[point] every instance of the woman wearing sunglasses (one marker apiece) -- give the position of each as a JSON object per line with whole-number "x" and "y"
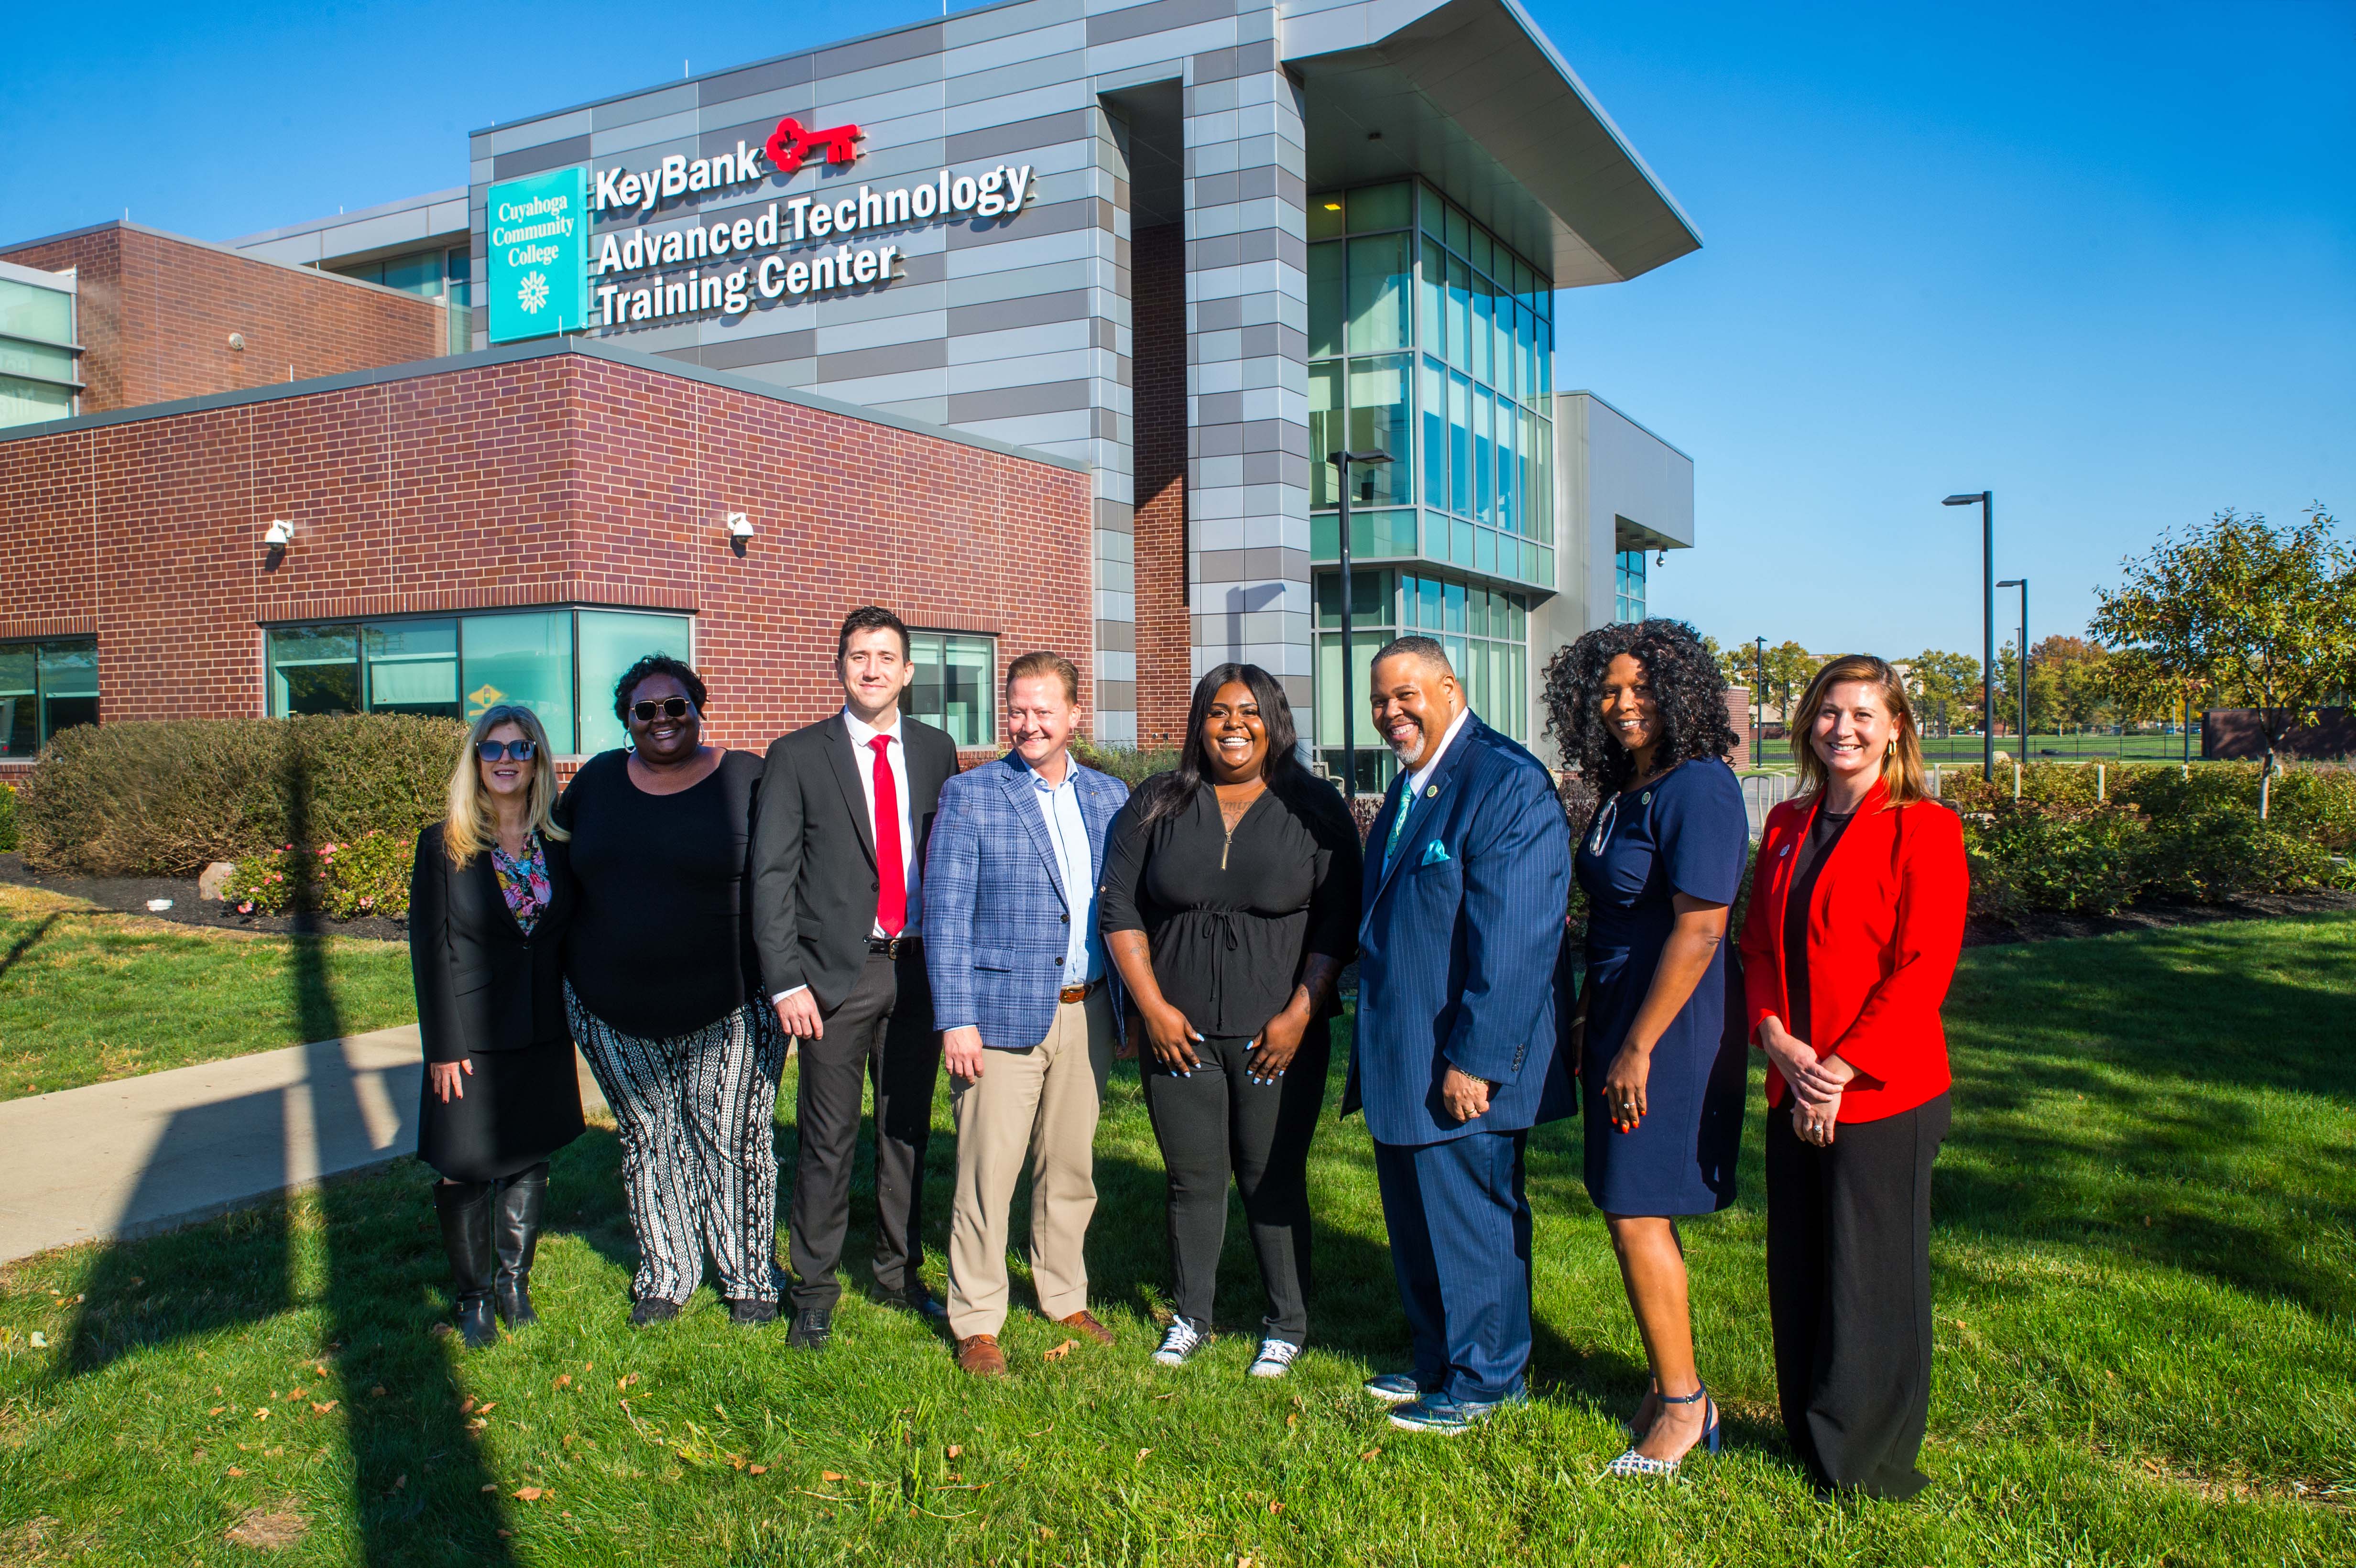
{"x": 659, "y": 980}
{"x": 489, "y": 901}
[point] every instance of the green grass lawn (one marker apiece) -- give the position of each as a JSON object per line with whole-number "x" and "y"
{"x": 1966, "y": 749}
{"x": 2146, "y": 1287}
{"x": 87, "y": 994}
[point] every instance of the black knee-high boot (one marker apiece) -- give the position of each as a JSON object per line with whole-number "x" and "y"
{"x": 465, "y": 1209}
{"x": 515, "y": 1226}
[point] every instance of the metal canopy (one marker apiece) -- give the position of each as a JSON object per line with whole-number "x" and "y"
{"x": 1472, "y": 97}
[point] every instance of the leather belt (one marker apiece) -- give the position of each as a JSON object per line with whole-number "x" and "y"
{"x": 892, "y": 946}
{"x": 1079, "y": 993}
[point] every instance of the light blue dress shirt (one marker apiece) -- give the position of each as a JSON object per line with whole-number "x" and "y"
{"x": 1068, "y": 830}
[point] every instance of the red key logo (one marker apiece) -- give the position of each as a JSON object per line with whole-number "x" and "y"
{"x": 789, "y": 144}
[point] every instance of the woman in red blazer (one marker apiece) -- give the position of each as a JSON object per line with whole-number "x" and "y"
{"x": 1856, "y": 918}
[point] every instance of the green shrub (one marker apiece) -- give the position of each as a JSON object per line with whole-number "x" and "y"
{"x": 2224, "y": 852}
{"x": 7, "y": 817}
{"x": 1132, "y": 765}
{"x": 367, "y": 875}
{"x": 165, "y": 798}
{"x": 2035, "y": 856}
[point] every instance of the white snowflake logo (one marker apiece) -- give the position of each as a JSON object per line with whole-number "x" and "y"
{"x": 534, "y": 293}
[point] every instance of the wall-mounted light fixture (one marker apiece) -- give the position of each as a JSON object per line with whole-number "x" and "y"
{"x": 278, "y": 534}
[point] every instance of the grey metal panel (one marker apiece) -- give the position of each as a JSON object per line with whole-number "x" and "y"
{"x": 1158, "y": 16}
{"x": 653, "y": 130}
{"x": 1016, "y": 402}
{"x": 847, "y": 87}
{"x": 1031, "y": 44}
{"x": 906, "y": 44}
{"x": 1029, "y": 310}
{"x": 932, "y": 411}
{"x": 1021, "y": 282}
{"x": 890, "y": 360}
{"x": 995, "y": 141}
{"x": 643, "y": 106}
{"x": 1032, "y": 222}
{"x": 735, "y": 352}
{"x": 547, "y": 155}
{"x": 532, "y": 133}
{"x": 792, "y": 72}
{"x": 999, "y": 21}
{"x": 997, "y": 82}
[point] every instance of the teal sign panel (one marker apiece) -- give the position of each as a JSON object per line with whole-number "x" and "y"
{"x": 538, "y": 276}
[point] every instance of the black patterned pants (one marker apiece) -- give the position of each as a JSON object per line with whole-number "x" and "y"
{"x": 698, "y": 1167}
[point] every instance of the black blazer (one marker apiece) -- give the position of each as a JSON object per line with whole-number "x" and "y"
{"x": 814, "y": 881}
{"x": 482, "y": 983}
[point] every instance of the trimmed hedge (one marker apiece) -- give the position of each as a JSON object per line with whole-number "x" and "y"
{"x": 364, "y": 876}
{"x": 165, "y": 798}
{"x": 7, "y": 817}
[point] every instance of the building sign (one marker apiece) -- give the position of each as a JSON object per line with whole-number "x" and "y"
{"x": 538, "y": 255}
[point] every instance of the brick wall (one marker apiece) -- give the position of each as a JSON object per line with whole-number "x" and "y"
{"x": 555, "y": 479}
{"x": 156, "y": 312}
{"x": 1164, "y": 627}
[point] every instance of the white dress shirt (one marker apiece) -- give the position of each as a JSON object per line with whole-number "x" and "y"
{"x": 1415, "y": 779}
{"x": 863, "y": 762}
{"x": 1068, "y": 830}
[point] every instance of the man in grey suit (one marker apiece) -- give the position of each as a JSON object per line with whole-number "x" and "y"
{"x": 839, "y": 841}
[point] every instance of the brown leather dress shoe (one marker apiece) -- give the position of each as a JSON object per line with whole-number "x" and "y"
{"x": 980, "y": 1354}
{"x": 1084, "y": 1322}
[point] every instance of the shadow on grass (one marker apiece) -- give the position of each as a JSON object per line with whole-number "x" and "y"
{"x": 27, "y": 942}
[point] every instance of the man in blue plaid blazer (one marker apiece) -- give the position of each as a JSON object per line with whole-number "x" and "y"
{"x": 1468, "y": 872}
{"x": 1021, "y": 995}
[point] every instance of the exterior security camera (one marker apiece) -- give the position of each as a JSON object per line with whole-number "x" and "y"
{"x": 237, "y": 341}
{"x": 739, "y": 527}
{"x": 277, "y": 534}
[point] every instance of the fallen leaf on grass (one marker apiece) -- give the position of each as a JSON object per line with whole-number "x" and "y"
{"x": 1275, "y": 1507}
{"x": 564, "y": 1380}
{"x": 217, "y": 1409}
{"x": 267, "y": 1530}
{"x": 1371, "y": 1453}
{"x": 323, "y": 1409}
{"x": 529, "y": 1494}
{"x": 757, "y": 1469}
{"x": 39, "y": 1340}
{"x": 233, "y": 1470}
{"x": 1142, "y": 1453}
{"x": 492, "y": 1486}
{"x": 954, "y": 1450}
{"x": 400, "y": 1481}
{"x": 830, "y": 1474}
{"x": 486, "y": 1409}
{"x": 376, "y": 1393}
{"x": 262, "y": 1416}
{"x": 1060, "y": 1351}
{"x": 466, "y": 1404}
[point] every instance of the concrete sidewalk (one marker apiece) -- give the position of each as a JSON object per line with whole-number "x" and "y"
{"x": 148, "y": 1153}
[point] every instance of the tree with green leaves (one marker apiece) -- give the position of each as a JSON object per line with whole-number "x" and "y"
{"x": 1944, "y": 689}
{"x": 2235, "y": 612}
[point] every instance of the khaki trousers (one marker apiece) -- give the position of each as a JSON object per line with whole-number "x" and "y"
{"x": 1043, "y": 1102}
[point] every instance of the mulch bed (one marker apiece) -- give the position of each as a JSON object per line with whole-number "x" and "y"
{"x": 1979, "y": 932}
{"x": 130, "y": 895}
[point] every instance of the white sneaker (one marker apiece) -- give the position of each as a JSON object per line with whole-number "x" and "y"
{"x": 1179, "y": 1343}
{"x": 1275, "y": 1358}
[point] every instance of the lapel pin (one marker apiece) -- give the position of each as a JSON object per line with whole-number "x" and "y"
{"x": 1432, "y": 792}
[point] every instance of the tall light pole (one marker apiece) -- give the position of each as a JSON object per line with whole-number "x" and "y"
{"x": 2022, "y": 583}
{"x": 1759, "y": 701}
{"x": 1986, "y": 500}
{"x": 1342, "y": 462}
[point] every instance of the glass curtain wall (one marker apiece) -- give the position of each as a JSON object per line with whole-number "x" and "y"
{"x": 956, "y": 685}
{"x": 438, "y": 274}
{"x": 560, "y": 663}
{"x": 45, "y": 688}
{"x": 1432, "y": 340}
{"x": 1628, "y": 586}
{"x": 39, "y": 379}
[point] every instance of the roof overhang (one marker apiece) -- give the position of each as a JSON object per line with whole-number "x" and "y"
{"x": 1471, "y": 95}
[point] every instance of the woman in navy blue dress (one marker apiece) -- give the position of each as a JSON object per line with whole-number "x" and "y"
{"x": 1640, "y": 707}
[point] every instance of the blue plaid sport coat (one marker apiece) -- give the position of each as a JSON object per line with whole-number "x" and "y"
{"x": 996, "y": 926}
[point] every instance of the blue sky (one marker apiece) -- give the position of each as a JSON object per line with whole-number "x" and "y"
{"x": 2099, "y": 259}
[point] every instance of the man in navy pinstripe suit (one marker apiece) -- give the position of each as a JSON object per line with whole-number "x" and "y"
{"x": 1467, "y": 870}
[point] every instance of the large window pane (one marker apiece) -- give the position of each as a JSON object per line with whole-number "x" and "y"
{"x": 955, "y": 686}
{"x": 1327, "y": 303}
{"x": 36, "y": 361}
{"x": 412, "y": 668}
{"x": 1431, "y": 300}
{"x": 1379, "y": 293}
{"x": 526, "y": 661}
{"x": 31, "y": 403}
{"x": 1501, "y": 341}
{"x": 1460, "y": 445}
{"x": 1432, "y": 400}
{"x": 611, "y": 642}
{"x": 420, "y": 273}
{"x": 1459, "y": 314}
{"x": 1484, "y": 329}
{"x": 28, "y": 310}
{"x": 69, "y": 679}
{"x": 19, "y": 722}
{"x": 1378, "y": 418}
{"x": 1460, "y": 231}
{"x": 314, "y": 669}
{"x": 1485, "y": 455}
{"x": 1325, "y": 216}
{"x": 1388, "y": 534}
{"x": 1434, "y": 215}
{"x": 1378, "y": 207}
{"x": 1546, "y": 361}
{"x": 1324, "y": 433}
{"x": 1509, "y": 502}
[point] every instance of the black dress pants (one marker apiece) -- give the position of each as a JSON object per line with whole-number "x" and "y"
{"x": 1216, "y": 1121}
{"x": 881, "y": 1032}
{"x": 1849, "y": 1289}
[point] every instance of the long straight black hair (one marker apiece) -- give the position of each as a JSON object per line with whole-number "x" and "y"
{"x": 1168, "y": 794}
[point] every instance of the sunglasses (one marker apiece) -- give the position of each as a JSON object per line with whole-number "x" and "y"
{"x": 495, "y": 751}
{"x": 670, "y": 708}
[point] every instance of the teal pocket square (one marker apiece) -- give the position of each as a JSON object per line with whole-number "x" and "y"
{"x": 1433, "y": 853}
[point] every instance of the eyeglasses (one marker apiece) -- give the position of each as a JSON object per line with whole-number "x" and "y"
{"x": 493, "y": 750}
{"x": 670, "y": 708}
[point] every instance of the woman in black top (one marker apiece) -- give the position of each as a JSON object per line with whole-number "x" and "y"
{"x": 658, "y": 983}
{"x": 490, "y": 896}
{"x": 1230, "y": 901}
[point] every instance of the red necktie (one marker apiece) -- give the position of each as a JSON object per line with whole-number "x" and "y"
{"x": 891, "y": 879}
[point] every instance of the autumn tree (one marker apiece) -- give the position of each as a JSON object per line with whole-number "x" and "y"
{"x": 1944, "y": 688}
{"x": 2239, "y": 612}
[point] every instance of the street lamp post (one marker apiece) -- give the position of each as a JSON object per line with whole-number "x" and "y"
{"x": 1759, "y": 702}
{"x": 1986, "y": 500}
{"x": 2022, "y": 583}
{"x": 1342, "y": 462}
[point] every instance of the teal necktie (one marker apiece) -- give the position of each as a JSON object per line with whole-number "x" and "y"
{"x": 1399, "y": 825}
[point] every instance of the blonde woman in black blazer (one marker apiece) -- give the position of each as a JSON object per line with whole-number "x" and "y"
{"x": 490, "y": 898}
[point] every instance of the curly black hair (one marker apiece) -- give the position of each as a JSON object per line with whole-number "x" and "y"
{"x": 1686, "y": 682}
{"x": 653, "y": 665}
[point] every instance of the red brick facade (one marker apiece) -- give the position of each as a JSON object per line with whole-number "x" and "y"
{"x": 564, "y": 478}
{"x": 155, "y": 314}
{"x": 1166, "y": 680}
